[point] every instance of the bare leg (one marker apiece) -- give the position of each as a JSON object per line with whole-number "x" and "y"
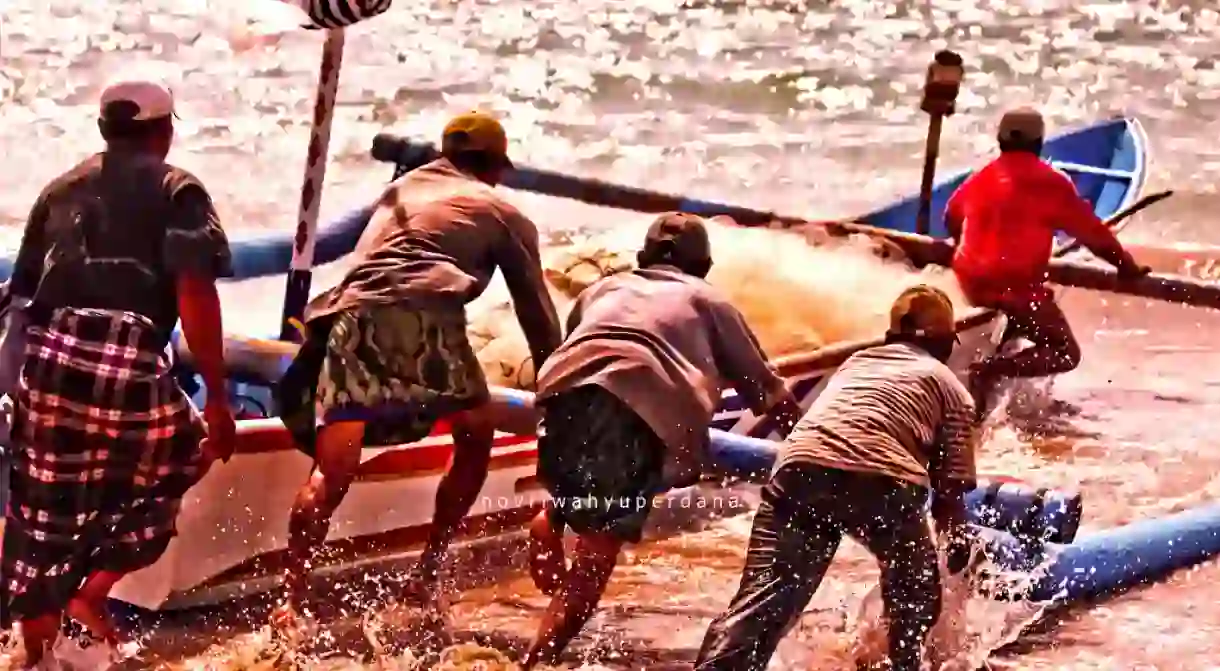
{"x": 338, "y": 458}
{"x": 38, "y": 635}
{"x": 548, "y": 567}
{"x": 88, "y": 607}
{"x": 473, "y": 434}
{"x": 596, "y": 557}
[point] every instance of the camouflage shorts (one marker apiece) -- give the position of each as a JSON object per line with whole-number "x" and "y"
{"x": 398, "y": 370}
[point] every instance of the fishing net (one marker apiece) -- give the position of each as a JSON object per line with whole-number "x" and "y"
{"x": 799, "y": 290}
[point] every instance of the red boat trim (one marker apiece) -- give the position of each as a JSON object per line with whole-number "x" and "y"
{"x": 269, "y": 435}
{"x": 422, "y": 462}
{"x": 370, "y": 547}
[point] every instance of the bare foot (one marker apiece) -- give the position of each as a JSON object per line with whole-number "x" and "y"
{"x": 289, "y": 625}
{"x": 548, "y": 566}
{"x": 96, "y": 620}
{"x": 399, "y": 627}
{"x": 423, "y": 588}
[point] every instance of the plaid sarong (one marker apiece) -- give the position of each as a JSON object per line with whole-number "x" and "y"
{"x": 601, "y": 463}
{"x": 399, "y": 370}
{"x": 105, "y": 446}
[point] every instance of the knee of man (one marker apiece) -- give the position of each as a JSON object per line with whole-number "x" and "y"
{"x": 475, "y": 429}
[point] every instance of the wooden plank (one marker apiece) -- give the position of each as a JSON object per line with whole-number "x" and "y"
{"x": 1068, "y": 166}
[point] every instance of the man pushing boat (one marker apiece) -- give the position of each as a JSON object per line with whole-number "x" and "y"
{"x": 386, "y": 354}
{"x": 105, "y": 442}
{"x": 893, "y": 421}
{"x": 626, "y": 402}
{"x": 1004, "y": 219}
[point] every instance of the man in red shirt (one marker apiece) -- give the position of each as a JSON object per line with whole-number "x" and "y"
{"x": 1004, "y": 219}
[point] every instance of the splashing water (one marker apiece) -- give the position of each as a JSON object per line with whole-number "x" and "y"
{"x": 816, "y": 294}
{"x": 971, "y": 626}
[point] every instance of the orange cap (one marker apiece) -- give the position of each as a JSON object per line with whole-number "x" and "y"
{"x": 923, "y": 310}
{"x": 475, "y": 131}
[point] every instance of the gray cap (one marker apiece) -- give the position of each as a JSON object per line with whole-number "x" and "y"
{"x": 1024, "y": 123}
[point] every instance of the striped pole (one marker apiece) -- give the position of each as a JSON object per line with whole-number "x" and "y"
{"x": 300, "y": 274}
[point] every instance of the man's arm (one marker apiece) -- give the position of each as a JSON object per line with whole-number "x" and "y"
{"x": 1080, "y": 221}
{"x": 955, "y": 213}
{"x": 952, "y": 472}
{"x": 28, "y": 268}
{"x": 197, "y": 253}
{"x": 521, "y": 262}
{"x": 742, "y": 361}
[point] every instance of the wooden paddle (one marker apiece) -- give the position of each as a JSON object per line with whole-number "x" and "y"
{"x": 939, "y": 95}
{"x": 922, "y": 250}
{"x": 1119, "y": 217}
{"x": 300, "y": 274}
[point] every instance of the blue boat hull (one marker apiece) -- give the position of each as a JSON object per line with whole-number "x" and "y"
{"x": 1106, "y": 161}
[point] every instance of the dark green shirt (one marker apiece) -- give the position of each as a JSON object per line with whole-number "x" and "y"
{"x": 113, "y": 232}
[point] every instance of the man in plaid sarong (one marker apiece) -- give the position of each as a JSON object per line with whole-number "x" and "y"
{"x": 104, "y": 442}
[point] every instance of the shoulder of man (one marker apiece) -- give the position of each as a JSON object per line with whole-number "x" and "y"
{"x": 951, "y": 385}
{"x": 700, "y": 291}
{"x": 70, "y": 177}
{"x": 177, "y": 179}
{"x": 1060, "y": 178}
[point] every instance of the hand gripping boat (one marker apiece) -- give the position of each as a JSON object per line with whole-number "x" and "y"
{"x": 233, "y": 526}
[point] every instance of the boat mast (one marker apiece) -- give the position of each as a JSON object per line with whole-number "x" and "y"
{"x": 300, "y": 273}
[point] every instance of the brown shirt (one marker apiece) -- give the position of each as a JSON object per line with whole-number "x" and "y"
{"x": 112, "y": 232}
{"x": 435, "y": 241}
{"x": 891, "y": 410}
{"x": 667, "y": 344}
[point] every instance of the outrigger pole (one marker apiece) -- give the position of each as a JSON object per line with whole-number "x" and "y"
{"x": 300, "y": 273}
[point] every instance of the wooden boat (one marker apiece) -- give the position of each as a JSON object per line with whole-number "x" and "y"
{"x": 233, "y": 525}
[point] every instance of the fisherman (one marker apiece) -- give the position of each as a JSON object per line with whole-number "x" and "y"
{"x": 106, "y": 443}
{"x": 1004, "y": 219}
{"x": 387, "y": 354}
{"x": 892, "y": 421}
{"x": 626, "y": 402}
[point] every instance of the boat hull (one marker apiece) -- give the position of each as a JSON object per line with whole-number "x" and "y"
{"x": 233, "y": 525}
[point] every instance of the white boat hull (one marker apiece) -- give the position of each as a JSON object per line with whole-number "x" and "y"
{"x": 233, "y": 528}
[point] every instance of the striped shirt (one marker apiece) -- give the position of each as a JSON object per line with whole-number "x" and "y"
{"x": 891, "y": 410}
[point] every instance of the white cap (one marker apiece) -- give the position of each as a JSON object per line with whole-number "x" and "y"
{"x": 151, "y": 99}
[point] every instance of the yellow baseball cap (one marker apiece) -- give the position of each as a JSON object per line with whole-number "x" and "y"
{"x": 476, "y": 131}
{"x": 923, "y": 310}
